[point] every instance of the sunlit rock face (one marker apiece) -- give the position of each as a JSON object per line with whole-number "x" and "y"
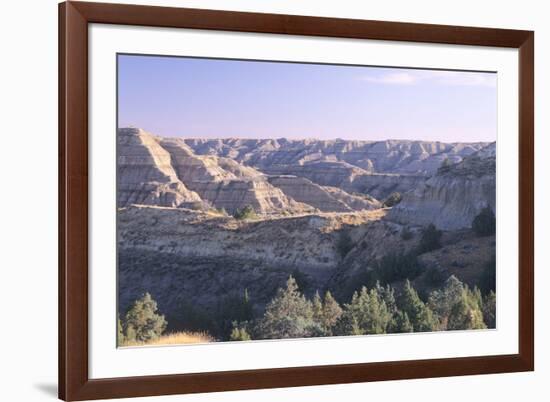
{"x": 453, "y": 197}
{"x": 145, "y": 174}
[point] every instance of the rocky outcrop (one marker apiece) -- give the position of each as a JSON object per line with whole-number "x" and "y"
{"x": 453, "y": 197}
{"x": 304, "y": 190}
{"x": 232, "y": 195}
{"x": 227, "y": 184}
{"x": 326, "y": 199}
{"x": 356, "y": 202}
{"x": 182, "y": 256}
{"x": 145, "y": 174}
{"x": 391, "y": 156}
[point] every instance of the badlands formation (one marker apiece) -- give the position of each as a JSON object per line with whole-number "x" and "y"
{"x": 179, "y": 198}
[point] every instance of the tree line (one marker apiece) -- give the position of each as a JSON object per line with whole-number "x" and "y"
{"x": 378, "y": 310}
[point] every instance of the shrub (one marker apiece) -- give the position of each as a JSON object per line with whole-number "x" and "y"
{"x": 142, "y": 322}
{"x": 239, "y": 333}
{"x": 484, "y": 224}
{"x": 245, "y": 213}
{"x": 430, "y": 239}
{"x": 396, "y": 267}
{"x": 393, "y": 199}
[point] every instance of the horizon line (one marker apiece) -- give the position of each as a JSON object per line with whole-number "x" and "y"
{"x": 304, "y": 138}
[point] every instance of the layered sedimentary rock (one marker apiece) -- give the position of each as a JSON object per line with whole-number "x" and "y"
{"x": 326, "y": 199}
{"x": 391, "y": 156}
{"x": 227, "y": 184}
{"x": 454, "y": 196}
{"x": 145, "y": 172}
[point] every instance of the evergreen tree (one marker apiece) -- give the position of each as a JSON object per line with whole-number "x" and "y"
{"x": 401, "y": 323}
{"x": 317, "y": 307}
{"x": 420, "y": 315}
{"x": 441, "y": 302}
{"x": 331, "y": 312}
{"x": 288, "y": 315}
{"x": 467, "y": 313}
{"x": 388, "y": 295}
{"x": 142, "y": 321}
{"x": 489, "y": 310}
{"x": 367, "y": 313}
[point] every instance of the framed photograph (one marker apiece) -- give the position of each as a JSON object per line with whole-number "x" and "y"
{"x": 259, "y": 200}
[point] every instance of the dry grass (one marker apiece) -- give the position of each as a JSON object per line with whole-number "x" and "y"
{"x": 175, "y": 338}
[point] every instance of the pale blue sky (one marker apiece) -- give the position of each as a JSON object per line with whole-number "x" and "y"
{"x": 174, "y": 96}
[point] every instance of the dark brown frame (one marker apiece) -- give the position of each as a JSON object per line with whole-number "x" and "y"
{"x": 74, "y": 17}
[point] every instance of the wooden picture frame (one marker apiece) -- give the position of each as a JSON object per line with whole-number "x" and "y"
{"x": 74, "y": 381}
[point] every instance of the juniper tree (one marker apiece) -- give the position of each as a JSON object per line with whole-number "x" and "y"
{"x": 331, "y": 311}
{"x": 401, "y": 323}
{"x": 466, "y": 314}
{"x": 367, "y": 313}
{"x": 419, "y": 314}
{"x": 288, "y": 315}
{"x": 142, "y": 322}
{"x": 442, "y": 301}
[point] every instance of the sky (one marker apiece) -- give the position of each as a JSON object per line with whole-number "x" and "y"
{"x": 217, "y": 98}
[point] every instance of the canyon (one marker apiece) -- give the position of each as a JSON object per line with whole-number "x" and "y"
{"x": 318, "y": 210}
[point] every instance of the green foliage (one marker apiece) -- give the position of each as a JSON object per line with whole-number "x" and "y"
{"x": 245, "y": 213}
{"x": 489, "y": 310}
{"x": 430, "y": 239}
{"x": 457, "y": 307}
{"x": 329, "y": 314}
{"x": 400, "y": 323}
{"x": 484, "y": 224}
{"x": 393, "y": 199}
{"x": 396, "y": 267}
{"x": 388, "y": 295}
{"x": 367, "y": 313}
{"x": 288, "y": 315}
{"x": 344, "y": 243}
{"x": 466, "y": 314}
{"x": 142, "y": 323}
{"x": 120, "y": 333}
{"x": 239, "y": 333}
{"x": 420, "y": 315}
